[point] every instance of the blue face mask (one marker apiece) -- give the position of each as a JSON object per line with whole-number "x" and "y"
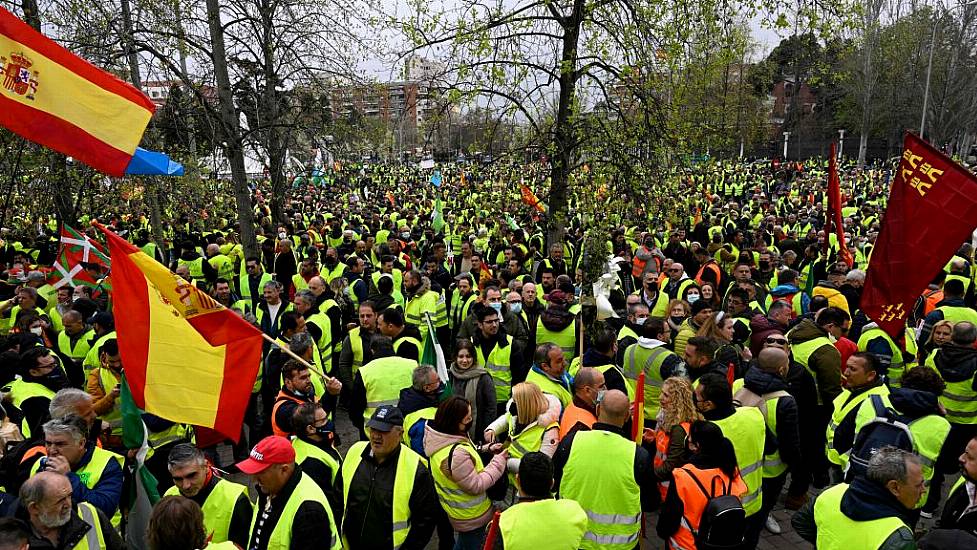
{"x": 692, "y": 298}
{"x": 515, "y": 308}
{"x": 497, "y": 306}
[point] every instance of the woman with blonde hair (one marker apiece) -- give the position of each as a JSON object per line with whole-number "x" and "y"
{"x": 676, "y": 414}
{"x": 942, "y": 331}
{"x": 531, "y": 422}
{"x": 721, "y": 327}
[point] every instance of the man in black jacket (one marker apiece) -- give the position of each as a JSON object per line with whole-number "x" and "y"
{"x": 280, "y": 480}
{"x": 370, "y": 491}
{"x": 959, "y": 511}
{"x": 58, "y": 524}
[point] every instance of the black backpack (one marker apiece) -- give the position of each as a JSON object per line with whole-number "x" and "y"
{"x": 723, "y": 522}
{"x": 887, "y": 429}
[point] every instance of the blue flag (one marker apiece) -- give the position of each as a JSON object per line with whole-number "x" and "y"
{"x": 436, "y": 178}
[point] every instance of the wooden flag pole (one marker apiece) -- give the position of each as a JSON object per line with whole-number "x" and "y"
{"x": 293, "y": 355}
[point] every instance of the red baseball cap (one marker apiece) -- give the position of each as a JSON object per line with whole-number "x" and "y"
{"x": 270, "y": 450}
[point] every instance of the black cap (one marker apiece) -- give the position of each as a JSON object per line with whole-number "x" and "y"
{"x": 103, "y": 318}
{"x": 385, "y": 418}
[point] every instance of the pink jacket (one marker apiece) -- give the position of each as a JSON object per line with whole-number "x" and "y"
{"x": 463, "y": 472}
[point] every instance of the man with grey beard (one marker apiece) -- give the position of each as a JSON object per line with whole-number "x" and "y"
{"x": 45, "y": 504}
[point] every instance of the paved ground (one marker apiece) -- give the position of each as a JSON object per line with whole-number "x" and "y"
{"x": 787, "y": 540}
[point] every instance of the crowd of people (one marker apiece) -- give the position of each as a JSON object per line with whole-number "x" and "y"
{"x": 763, "y": 379}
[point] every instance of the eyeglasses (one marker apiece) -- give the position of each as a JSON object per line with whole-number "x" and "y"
{"x": 780, "y": 341}
{"x": 511, "y": 302}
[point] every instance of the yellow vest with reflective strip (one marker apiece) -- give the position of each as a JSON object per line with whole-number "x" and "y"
{"x": 458, "y": 504}
{"x": 599, "y": 475}
{"x": 840, "y": 411}
{"x": 498, "y": 364}
{"x": 383, "y": 379}
{"x": 218, "y": 508}
{"x": 747, "y": 430}
{"x": 81, "y": 347}
{"x": 552, "y": 524}
{"x": 281, "y": 534}
{"x": 407, "y": 463}
{"x": 836, "y": 531}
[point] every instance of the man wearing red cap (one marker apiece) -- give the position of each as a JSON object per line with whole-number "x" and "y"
{"x": 292, "y": 511}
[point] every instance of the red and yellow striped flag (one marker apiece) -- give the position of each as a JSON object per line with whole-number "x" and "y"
{"x": 52, "y": 97}
{"x": 187, "y": 358}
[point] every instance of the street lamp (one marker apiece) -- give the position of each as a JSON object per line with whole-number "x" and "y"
{"x": 929, "y": 66}
{"x": 786, "y": 137}
{"x": 841, "y": 143}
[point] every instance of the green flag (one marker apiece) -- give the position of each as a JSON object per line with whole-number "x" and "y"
{"x": 143, "y": 493}
{"x": 438, "y": 221}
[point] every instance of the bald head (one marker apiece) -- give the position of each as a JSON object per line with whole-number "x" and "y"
{"x": 587, "y": 378}
{"x": 72, "y": 316}
{"x": 773, "y": 360}
{"x": 213, "y": 250}
{"x": 613, "y": 409}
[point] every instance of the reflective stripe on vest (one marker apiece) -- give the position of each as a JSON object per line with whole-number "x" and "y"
{"x": 218, "y": 508}
{"x": 836, "y": 531}
{"x": 841, "y": 410}
{"x": 747, "y": 430}
{"x": 281, "y": 533}
{"x": 94, "y": 539}
{"x": 383, "y": 379}
{"x": 604, "y": 460}
{"x": 499, "y": 366}
{"x": 551, "y": 387}
{"x": 407, "y": 464}
{"x": 565, "y": 339}
{"x": 651, "y": 365}
{"x": 458, "y": 504}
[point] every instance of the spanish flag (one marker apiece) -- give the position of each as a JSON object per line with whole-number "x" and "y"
{"x": 187, "y": 358}
{"x": 52, "y": 97}
{"x": 529, "y": 198}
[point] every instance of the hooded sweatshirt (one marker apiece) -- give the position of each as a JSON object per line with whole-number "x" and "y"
{"x": 957, "y": 363}
{"x": 463, "y": 472}
{"x": 825, "y": 362}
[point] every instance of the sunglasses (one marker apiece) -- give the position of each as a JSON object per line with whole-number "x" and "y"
{"x": 780, "y": 341}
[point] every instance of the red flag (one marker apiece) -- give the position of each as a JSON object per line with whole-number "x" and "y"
{"x": 932, "y": 209}
{"x": 638, "y": 412}
{"x": 834, "y": 209}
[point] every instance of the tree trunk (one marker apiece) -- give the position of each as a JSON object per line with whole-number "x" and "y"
{"x": 565, "y": 131}
{"x": 275, "y": 145}
{"x": 232, "y": 132}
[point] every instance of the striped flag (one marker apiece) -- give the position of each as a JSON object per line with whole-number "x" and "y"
{"x": 638, "y": 412}
{"x": 433, "y": 354}
{"x": 188, "y": 359}
{"x": 52, "y": 97}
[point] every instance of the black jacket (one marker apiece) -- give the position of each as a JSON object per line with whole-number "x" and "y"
{"x": 73, "y": 532}
{"x": 369, "y": 505}
{"x": 953, "y": 511}
{"x": 845, "y": 432}
{"x": 310, "y": 526}
{"x": 644, "y": 472}
{"x": 612, "y": 377}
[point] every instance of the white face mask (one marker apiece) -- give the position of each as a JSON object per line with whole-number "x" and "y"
{"x": 640, "y": 321}
{"x": 38, "y": 331}
{"x": 692, "y": 298}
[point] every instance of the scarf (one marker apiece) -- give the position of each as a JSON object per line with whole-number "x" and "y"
{"x": 471, "y": 389}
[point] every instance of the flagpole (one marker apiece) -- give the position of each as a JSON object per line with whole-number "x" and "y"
{"x": 295, "y": 356}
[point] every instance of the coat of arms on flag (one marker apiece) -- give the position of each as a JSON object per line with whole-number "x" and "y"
{"x": 78, "y": 250}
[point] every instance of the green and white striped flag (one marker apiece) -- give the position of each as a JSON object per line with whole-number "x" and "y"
{"x": 433, "y": 354}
